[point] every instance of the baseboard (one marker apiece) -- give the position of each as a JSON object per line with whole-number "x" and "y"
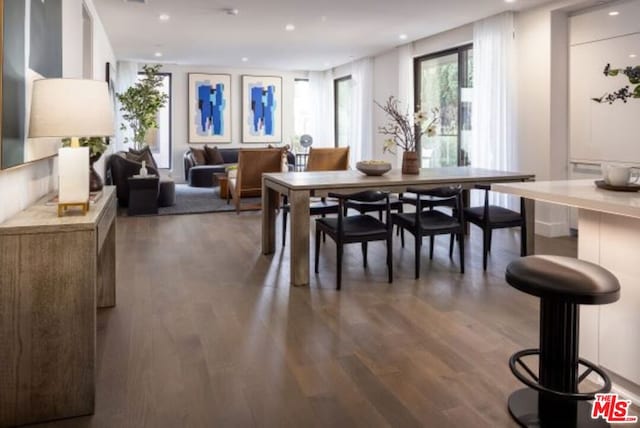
{"x": 552, "y": 230}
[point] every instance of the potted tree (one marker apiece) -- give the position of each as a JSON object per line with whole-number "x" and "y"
{"x": 140, "y": 105}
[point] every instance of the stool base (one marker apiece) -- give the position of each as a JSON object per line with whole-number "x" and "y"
{"x": 523, "y": 407}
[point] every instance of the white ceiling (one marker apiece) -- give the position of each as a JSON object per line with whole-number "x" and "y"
{"x": 328, "y": 32}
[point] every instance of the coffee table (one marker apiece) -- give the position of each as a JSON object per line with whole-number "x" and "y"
{"x": 223, "y": 180}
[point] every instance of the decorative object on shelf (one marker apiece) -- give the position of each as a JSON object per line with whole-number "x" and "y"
{"x": 261, "y": 109}
{"x": 71, "y": 108}
{"x": 38, "y": 26}
{"x": 633, "y": 74}
{"x": 624, "y": 188}
{"x": 143, "y": 169}
{"x": 406, "y": 132}
{"x": 97, "y": 146}
{"x": 209, "y": 108}
{"x": 141, "y": 104}
{"x": 373, "y": 167}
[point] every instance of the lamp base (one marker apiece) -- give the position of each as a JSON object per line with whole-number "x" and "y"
{"x": 62, "y": 207}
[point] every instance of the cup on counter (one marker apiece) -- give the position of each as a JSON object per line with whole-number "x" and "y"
{"x": 615, "y": 175}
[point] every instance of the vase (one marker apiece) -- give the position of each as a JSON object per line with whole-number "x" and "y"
{"x": 95, "y": 181}
{"x": 410, "y": 163}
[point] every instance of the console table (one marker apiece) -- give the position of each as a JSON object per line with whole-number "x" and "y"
{"x": 54, "y": 272}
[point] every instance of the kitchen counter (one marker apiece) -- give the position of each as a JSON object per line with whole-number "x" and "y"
{"x": 608, "y": 235}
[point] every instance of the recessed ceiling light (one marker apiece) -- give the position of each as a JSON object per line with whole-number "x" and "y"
{"x": 244, "y": 59}
{"x": 402, "y": 37}
{"x": 633, "y": 56}
{"x": 157, "y": 54}
{"x": 232, "y": 11}
{"x": 614, "y": 13}
{"x": 290, "y": 27}
{"x": 509, "y": 1}
{"x": 164, "y": 17}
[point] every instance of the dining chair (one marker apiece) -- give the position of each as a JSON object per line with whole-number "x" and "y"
{"x": 359, "y": 228}
{"x": 252, "y": 163}
{"x": 489, "y": 217}
{"x": 433, "y": 222}
{"x": 323, "y": 159}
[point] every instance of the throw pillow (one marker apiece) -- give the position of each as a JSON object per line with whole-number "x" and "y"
{"x": 213, "y": 155}
{"x": 199, "y": 156}
{"x": 143, "y": 154}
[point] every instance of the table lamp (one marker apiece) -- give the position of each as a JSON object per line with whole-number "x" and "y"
{"x": 71, "y": 108}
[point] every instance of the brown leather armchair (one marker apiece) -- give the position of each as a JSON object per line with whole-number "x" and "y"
{"x": 252, "y": 163}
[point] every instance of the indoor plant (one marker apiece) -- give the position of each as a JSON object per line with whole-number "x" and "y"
{"x": 406, "y": 132}
{"x": 141, "y": 103}
{"x": 633, "y": 74}
{"x": 97, "y": 146}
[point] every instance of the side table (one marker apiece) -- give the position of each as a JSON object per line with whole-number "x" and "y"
{"x": 143, "y": 195}
{"x": 223, "y": 180}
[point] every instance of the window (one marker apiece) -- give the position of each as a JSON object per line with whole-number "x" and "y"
{"x": 302, "y": 107}
{"x": 159, "y": 140}
{"x": 342, "y": 94}
{"x": 445, "y": 81}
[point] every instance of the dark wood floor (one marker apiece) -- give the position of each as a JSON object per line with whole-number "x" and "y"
{"x": 207, "y": 332}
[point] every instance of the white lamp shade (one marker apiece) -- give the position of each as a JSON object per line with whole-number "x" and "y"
{"x": 70, "y": 108}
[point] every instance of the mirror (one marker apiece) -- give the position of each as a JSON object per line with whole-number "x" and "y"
{"x": 31, "y": 49}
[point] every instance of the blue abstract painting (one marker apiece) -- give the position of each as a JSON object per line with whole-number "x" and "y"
{"x": 210, "y": 110}
{"x": 262, "y": 109}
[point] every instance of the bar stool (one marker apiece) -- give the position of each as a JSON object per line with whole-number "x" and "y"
{"x": 552, "y": 398}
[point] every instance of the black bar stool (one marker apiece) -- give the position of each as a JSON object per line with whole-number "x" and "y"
{"x": 552, "y": 398}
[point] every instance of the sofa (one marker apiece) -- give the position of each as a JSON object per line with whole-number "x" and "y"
{"x": 123, "y": 165}
{"x": 203, "y": 175}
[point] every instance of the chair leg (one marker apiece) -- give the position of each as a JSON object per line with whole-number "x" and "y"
{"x": 317, "y": 255}
{"x": 461, "y": 245}
{"x": 523, "y": 240}
{"x": 452, "y": 238}
{"x": 486, "y": 233}
{"x": 284, "y": 227}
{"x": 324, "y": 235}
{"x": 490, "y": 239}
{"x": 339, "y": 266}
{"x": 418, "y": 244}
{"x": 431, "y": 242}
{"x": 402, "y": 236}
{"x": 364, "y": 254}
{"x": 380, "y": 215}
{"x": 390, "y": 258}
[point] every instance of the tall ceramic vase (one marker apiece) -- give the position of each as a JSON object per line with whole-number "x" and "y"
{"x": 410, "y": 163}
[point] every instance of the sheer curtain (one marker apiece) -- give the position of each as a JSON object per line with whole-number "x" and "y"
{"x": 493, "y": 117}
{"x": 361, "y": 133}
{"x": 405, "y": 84}
{"x": 322, "y": 122}
{"x": 125, "y": 78}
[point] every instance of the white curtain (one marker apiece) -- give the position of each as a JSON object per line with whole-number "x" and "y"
{"x": 322, "y": 122}
{"x": 125, "y": 78}
{"x": 361, "y": 135}
{"x": 405, "y": 84}
{"x": 493, "y": 118}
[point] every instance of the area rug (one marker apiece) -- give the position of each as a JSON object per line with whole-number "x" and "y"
{"x": 197, "y": 200}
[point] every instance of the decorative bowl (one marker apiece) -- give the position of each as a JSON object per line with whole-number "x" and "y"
{"x": 373, "y": 167}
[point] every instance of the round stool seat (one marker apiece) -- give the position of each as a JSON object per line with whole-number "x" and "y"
{"x": 563, "y": 278}
{"x": 167, "y": 192}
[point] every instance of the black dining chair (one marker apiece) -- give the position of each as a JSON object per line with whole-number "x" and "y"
{"x": 490, "y": 217}
{"x": 360, "y": 228}
{"x": 433, "y": 221}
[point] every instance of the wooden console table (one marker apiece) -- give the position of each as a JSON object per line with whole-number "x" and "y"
{"x": 54, "y": 272}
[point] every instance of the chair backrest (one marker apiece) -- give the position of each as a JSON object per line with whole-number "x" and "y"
{"x": 328, "y": 159}
{"x": 364, "y": 196}
{"x": 252, "y": 163}
{"x": 450, "y": 192}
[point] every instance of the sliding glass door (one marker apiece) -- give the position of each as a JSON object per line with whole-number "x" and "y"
{"x": 444, "y": 82}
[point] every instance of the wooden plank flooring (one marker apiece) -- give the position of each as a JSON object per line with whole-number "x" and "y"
{"x": 208, "y": 333}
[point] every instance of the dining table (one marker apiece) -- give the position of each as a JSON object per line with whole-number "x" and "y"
{"x": 300, "y": 187}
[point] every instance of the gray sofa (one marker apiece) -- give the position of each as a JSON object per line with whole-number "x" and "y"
{"x": 202, "y": 175}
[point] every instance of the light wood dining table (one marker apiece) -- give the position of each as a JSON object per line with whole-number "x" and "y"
{"x": 301, "y": 186}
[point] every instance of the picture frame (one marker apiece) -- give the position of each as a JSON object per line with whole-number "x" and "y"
{"x": 110, "y": 76}
{"x": 261, "y": 109}
{"x": 209, "y": 108}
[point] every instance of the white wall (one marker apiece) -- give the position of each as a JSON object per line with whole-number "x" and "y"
{"x": 21, "y": 186}
{"x": 179, "y": 110}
